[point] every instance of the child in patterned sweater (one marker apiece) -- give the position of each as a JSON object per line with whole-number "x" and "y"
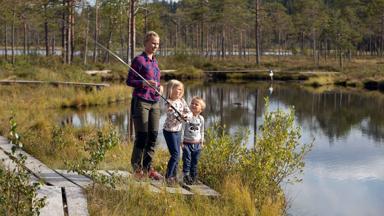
{"x": 173, "y": 125}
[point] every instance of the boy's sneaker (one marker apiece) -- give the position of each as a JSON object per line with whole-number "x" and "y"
{"x": 187, "y": 180}
{"x": 195, "y": 181}
{"x": 152, "y": 174}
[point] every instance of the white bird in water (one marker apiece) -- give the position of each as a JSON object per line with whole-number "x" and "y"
{"x": 270, "y": 90}
{"x": 271, "y": 74}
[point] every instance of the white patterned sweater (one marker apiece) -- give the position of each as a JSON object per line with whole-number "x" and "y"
{"x": 172, "y": 123}
{"x": 194, "y": 130}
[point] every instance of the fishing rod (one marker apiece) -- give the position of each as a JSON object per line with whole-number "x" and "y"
{"x": 141, "y": 77}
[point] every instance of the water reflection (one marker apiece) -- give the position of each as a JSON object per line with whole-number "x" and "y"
{"x": 344, "y": 173}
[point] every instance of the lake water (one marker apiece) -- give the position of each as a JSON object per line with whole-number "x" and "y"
{"x": 344, "y": 172}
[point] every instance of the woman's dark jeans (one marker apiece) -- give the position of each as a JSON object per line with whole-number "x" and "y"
{"x": 173, "y": 142}
{"x": 145, "y": 117}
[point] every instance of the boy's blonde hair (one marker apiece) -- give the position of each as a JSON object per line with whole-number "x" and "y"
{"x": 201, "y": 102}
{"x": 174, "y": 83}
{"x": 149, "y": 35}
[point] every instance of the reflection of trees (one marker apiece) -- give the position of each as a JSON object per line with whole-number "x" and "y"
{"x": 117, "y": 115}
{"x": 333, "y": 112}
{"x": 226, "y": 104}
{"x": 336, "y": 112}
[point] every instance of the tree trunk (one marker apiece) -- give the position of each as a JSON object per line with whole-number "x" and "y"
{"x": 106, "y": 58}
{"x": 63, "y": 35}
{"x": 96, "y": 34}
{"x": 46, "y": 31}
{"x": 128, "y": 60}
{"x": 314, "y": 48}
{"x": 133, "y": 28}
{"x": 13, "y": 36}
{"x": 302, "y": 43}
{"x": 257, "y": 31}
{"x": 25, "y": 38}
{"x": 53, "y": 51}
{"x": 341, "y": 60}
{"x": 72, "y": 27}
{"x": 86, "y": 41}
{"x": 6, "y": 41}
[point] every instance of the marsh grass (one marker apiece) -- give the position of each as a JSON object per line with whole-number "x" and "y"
{"x": 236, "y": 199}
{"x": 38, "y": 113}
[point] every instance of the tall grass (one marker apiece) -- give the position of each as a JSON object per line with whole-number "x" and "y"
{"x": 38, "y": 113}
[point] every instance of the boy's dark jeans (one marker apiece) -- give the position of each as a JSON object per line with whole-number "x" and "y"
{"x": 173, "y": 142}
{"x": 191, "y": 154}
{"x": 145, "y": 117}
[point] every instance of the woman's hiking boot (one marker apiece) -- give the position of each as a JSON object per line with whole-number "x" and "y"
{"x": 154, "y": 175}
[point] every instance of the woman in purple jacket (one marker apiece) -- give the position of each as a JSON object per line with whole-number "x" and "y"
{"x": 145, "y": 107}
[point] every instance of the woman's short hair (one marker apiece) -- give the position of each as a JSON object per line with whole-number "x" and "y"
{"x": 171, "y": 84}
{"x": 149, "y": 35}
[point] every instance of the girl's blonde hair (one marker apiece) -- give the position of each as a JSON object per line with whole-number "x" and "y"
{"x": 149, "y": 35}
{"x": 201, "y": 102}
{"x": 172, "y": 84}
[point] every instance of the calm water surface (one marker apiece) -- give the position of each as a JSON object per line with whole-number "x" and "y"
{"x": 344, "y": 173}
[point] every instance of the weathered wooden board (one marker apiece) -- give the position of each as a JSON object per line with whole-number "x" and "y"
{"x": 10, "y": 165}
{"x": 94, "y": 72}
{"x": 163, "y": 187}
{"x": 120, "y": 173}
{"x": 54, "y": 201}
{"x": 201, "y": 189}
{"x": 76, "y": 201}
{"x": 80, "y": 180}
{"x": 142, "y": 184}
{"x": 39, "y": 169}
{"x": 53, "y": 83}
{"x": 7, "y": 162}
{"x": 3, "y": 140}
{"x": 103, "y": 172}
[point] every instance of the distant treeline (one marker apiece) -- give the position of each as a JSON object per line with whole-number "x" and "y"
{"x": 212, "y": 28}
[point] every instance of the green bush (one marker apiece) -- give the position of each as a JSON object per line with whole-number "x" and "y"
{"x": 276, "y": 157}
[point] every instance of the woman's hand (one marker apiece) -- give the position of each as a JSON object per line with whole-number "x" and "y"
{"x": 149, "y": 83}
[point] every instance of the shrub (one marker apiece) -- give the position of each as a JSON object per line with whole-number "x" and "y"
{"x": 277, "y": 156}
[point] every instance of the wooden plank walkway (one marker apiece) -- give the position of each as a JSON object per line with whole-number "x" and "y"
{"x": 76, "y": 201}
{"x": 199, "y": 189}
{"x": 64, "y": 190}
{"x": 56, "y": 83}
{"x": 80, "y": 180}
{"x": 54, "y": 202}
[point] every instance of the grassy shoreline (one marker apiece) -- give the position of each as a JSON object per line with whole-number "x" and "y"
{"x": 360, "y": 72}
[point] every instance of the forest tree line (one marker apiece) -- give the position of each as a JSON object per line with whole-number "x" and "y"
{"x": 211, "y": 28}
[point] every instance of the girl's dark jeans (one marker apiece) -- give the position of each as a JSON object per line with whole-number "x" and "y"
{"x": 191, "y": 154}
{"x": 173, "y": 142}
